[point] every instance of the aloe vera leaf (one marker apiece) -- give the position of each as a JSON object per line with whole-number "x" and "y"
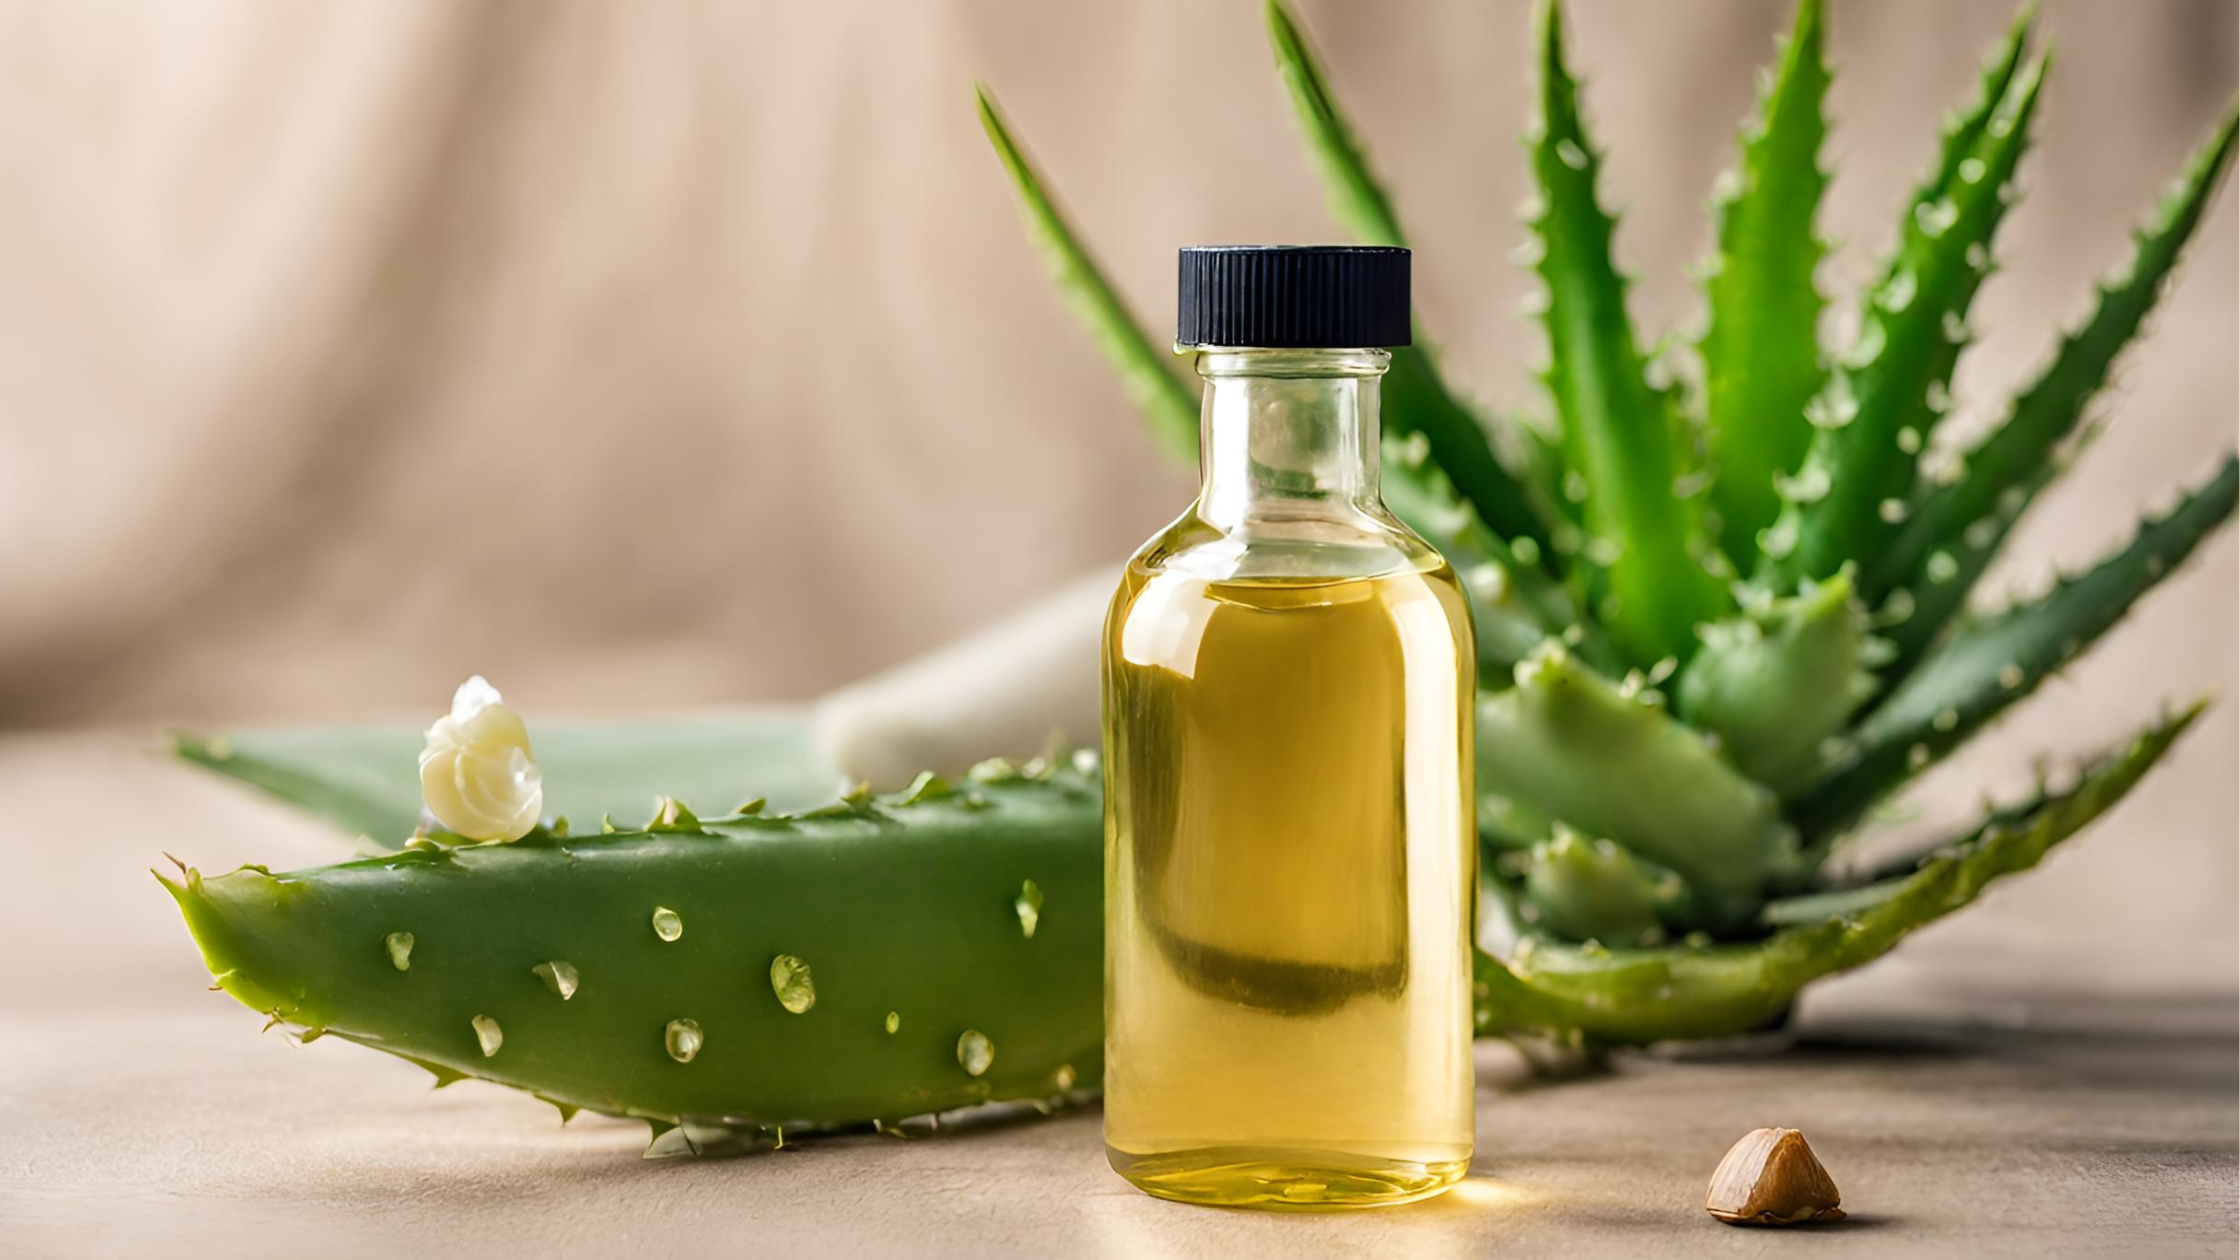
{"x": 1416, "y": 398}
{"x": 1967, "y": 517}
{"x": 1589, "y": 889}
{"x": 1777, "y": 679}
{"x": 366, "y": 780}
{"x": 1513, "y": 602}
{"x": 1149, "y": 370}
{"x": 902, "y": 903}
{"x": 1990, "y": 664}
{"x": 1637, "y": 996}
{"x": 1886, "y": 395}
{"x": 1761, "y": 357}
{"x": 1566, "y": 743}
{"x": 1965, "y": 125}
{"x": 1618, "y": 433}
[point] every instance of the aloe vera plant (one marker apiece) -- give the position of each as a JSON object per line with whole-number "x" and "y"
{"x": 1719, "y": 625}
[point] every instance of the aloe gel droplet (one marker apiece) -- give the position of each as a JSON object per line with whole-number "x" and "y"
{"x": 1288, "y": 708}
{"x": 399, "y": 945}
{"x": 683, "y": 1039}
{"x": 666, "y": 923}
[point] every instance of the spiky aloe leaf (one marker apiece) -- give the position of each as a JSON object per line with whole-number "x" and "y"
{"x": 1514, "y": 604}
{"x": 1566, "y": 743}
{"x": 1636, "y": 996}
{"x": 364, "y": 778}
{"x": 1964, "y": 520}
{"x": 1587, "y": 889}
{"x": 1775, "y": 681}
{"x": 1761, "y": 358}
{"x": 784, "y": 941}
{"x": 1618, "y": 431}
{"x": 1149, "y": 372}
{"x": 1416, "y": 398}
{"x": 1995, "y": 662}
{"x": 1965, "y": 125}
{"x": 1887, "y": 393}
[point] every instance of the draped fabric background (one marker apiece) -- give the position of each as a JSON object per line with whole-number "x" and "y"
{"x": 660, "y": 354}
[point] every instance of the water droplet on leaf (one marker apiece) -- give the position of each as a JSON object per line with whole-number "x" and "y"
{"x": 894, "y": 1022}
{"x": 683, "y": 1039}
{"x": 975, "y": 1053}
{"x": 789, "y": 979}
{"x": 560, "y": 977}
{"x": 1029, "y": 906}
{"x": 667, "y": 924}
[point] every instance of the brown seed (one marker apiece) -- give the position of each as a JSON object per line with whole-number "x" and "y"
{"x": 1771, "y": 1177}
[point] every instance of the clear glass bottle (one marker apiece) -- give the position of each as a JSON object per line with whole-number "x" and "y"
{"x": 1290, "y": 855}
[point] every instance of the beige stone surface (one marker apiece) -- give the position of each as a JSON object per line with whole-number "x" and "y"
{"x": 1968, "y": 1104}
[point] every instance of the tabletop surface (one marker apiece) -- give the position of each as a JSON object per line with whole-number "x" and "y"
{"x": 1964, "y": 1110}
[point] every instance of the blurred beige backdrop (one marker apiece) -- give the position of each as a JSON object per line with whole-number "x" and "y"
{"x": 651, "y": 355}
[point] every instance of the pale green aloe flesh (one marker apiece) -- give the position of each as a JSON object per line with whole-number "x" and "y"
{"x": 905, "y": 903}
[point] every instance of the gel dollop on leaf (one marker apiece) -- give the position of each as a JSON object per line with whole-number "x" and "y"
{"x": 478, "y": 774}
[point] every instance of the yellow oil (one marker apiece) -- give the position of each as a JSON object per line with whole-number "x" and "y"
{"x": 1289, "y": 865}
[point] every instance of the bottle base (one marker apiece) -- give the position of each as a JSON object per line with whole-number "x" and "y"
{"x": 1285, "y": 1179}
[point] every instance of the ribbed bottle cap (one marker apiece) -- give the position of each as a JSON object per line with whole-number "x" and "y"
{"x": 1292, "y": 296}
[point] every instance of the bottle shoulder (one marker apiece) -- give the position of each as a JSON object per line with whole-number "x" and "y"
{"x": 1291, "y": 551}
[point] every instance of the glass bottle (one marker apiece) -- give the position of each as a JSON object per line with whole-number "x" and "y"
{"x": 1290, "y": 852}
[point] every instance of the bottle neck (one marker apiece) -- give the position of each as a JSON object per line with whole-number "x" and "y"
{"x": 1288, "y": 435}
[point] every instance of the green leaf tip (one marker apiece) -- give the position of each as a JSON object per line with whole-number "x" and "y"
{"x": 1644, "y": 542}
{"x": 1146, "y": 368}
{"x": 1416, "y": 397}
{"x": 1760, "y": 349}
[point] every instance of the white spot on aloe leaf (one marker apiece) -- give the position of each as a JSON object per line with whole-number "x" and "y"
{"x": 1892, "y": 511}
{"x": 975, "y": 1053}
{"x": 1942, "y": 567}
{"x": 2010, "y": 676}
{"x": 1570, "y": 154}
{"x": 560, "y": 977}
{"x": 1937, "y": 217}
{"x": 478, "y": 775}
{"x": 894, "y": 1022}
{"x": 399, "y": 945}
{"x": 790, "y": 980}
{"x": 682, "y": 1039}
{"x": 667, "y": 924}
{"x": 1028, "y": 904}
{"x": 488, "y": 1035}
